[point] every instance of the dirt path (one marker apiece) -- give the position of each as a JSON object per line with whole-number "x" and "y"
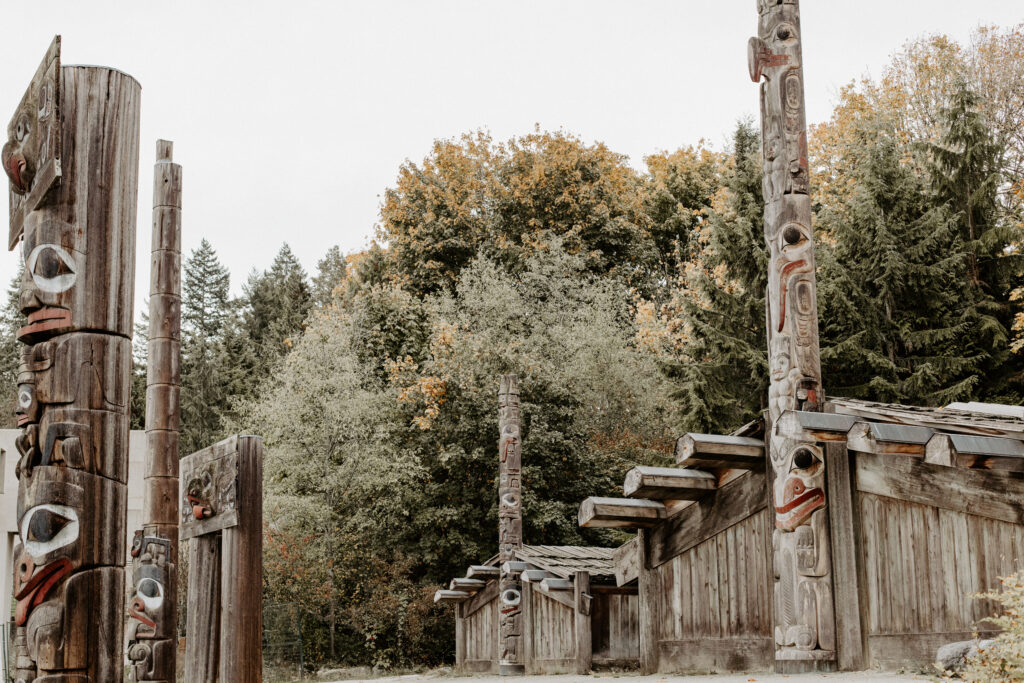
{"x": 859, "y": 677}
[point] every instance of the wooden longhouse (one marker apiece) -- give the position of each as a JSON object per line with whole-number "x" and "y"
{"x": 574, "y": 614}
{"x": 925, "y": 510}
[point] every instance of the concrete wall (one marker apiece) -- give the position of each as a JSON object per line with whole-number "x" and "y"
{"x": 9, "y": 501}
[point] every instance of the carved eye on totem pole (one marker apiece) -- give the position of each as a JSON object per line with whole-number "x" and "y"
{"x": 147, "y": 603}
{"x": 510, "y": 502}
{"x": 46, "y": 556}
{"x": 17, "y": 165}
{"x": 799, "y": 493}
{"x": 511, "y": 597}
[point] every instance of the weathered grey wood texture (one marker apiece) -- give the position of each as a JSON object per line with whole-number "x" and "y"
{"x": 510, "y": 524}
{"x": 225, "y": 645}
{"x": 78, "y": 231}
{"x": 713, "y": 607}
{"x": 152, "y": 651}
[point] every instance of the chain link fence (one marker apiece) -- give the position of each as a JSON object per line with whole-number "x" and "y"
{"x": 282, "y": 638}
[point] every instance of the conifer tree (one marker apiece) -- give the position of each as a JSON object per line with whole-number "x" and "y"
{"x": 11, "y": 319}
{"x": 330, "y": 274}
{"x": 206, "y": 310}
{"x": 891, "y": 278}
{"x": 721, "y": 378}
{"x": 966, "y": 178}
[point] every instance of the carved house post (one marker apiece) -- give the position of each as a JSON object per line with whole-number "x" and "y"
{"x": 72, "y": 160}
{"x": 803, "y": 601}
{"x": 510, "y": 528}
{"x": 152, "y": 606}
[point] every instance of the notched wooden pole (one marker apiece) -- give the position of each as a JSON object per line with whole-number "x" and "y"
{"x": 152, "y": 607}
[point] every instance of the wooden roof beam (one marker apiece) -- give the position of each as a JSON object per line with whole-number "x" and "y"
{"x": 717, "y": 451}
{"x": 555, "y": 584}
{"x": 668, "y": 483}
{"x": 450, "y": 596}
{"x": 467, "y": 585}
{"x": 882, "y": 438}
{"x": 481, "y": 571}
{"x": 535, "y": 575}
{"x": 814, "y": 427}
{"x": 975, "y": 452}
{"x": 620, "y": 513}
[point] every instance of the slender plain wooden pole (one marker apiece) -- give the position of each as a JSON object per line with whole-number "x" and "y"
{"x": 78, "y": 236}
{"x": 803, "y": 596}
{"x": 152, "y": 608}
{"x": 510, "y": 528}
{"x": 584, "y": 635}
{"x": 650, "y": 597}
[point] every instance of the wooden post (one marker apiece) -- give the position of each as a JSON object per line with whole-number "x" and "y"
{"x": 529, "y": 629}
{"x": 803, "y": 602}
{"x": 649, "y": 595}
{"x": 72, "y": 160}
{"x": 851, "y": 632}
{"x": 584, "y": 641}
{"x": 460, "y": 637}
{"x": 221, "y": 494}
{"x": 510, "y": 528}
{"x": 152, "y": 607}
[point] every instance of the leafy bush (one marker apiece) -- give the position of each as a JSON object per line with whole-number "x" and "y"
{"x": 1004, "y": 659}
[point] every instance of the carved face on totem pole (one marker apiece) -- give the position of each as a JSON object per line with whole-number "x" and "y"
{"x": 72, "y": 403}
{"x": 801, "y": 491}
{"x": 150, "y": 627}
{"x": 31, "y": 155}
{"x": 66, "y": 520}
{"x": 209, "y": 486}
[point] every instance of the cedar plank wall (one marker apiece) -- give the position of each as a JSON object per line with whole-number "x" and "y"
{"x": 480, "y": 629}
{"x": 615, "y": 628}
{"x": 715, "y": 609}
{"x": 921, "y": 562}
{"x": 552, "y": 629}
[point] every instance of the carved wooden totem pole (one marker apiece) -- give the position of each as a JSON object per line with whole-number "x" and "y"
{"x": 510, "y": 528}
{"x": 804, "y": 611}
{"x": 221, "y": 496}
{"x": 152, "y": 607}
{"x": 72, "y": 160}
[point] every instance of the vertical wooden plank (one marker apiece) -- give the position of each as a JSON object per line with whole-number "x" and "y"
{"x": 936, "y": 570}
{"x": 241, "y": 654}
{"x": 722, "y": 578}
{"x": 460, "y": 637}
{"x": 894, "y": 562}
{"x": 850, "y": 641}
{"x": 909, "y": 593}
{"x": 650, "y": 607}
{"x": 964, "y": 563}
{"x": 952, "y": 611}
{"x": 584, "y": 652}
{"x": 670, "y": 593}
{"x": 203, "y": 620}
{"x": 735, "y": 577}
{"x": 528, "y": 627}
{"x": 869, "y": 531}
{"x": 743, "y": 562}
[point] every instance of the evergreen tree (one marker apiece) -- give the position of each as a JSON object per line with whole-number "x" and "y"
{"x": 11, "y": 319}
{"x": 330, "y": 274}
{"x": 206, "y": 312}
{"x": 966, "y": 178}
{"x": 891, "y": 280}
{"x": 277, "y": 303}
{"x": 721, "y": 373}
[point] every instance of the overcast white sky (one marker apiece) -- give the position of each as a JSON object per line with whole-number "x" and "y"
{"x": 292, "y": 118}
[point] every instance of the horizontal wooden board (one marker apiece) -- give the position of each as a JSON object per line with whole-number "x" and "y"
{"x": 999, "y": 495}
{"x": 668, "y": 483}
{"x": 698, "y": 655}
{"x": 722, "y": 508}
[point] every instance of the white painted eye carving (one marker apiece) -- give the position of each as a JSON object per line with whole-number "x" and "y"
{"x": 151, "y": 592}
{"x": 511, "y": 597}
{"x": 24, "y": 398}
{"x": 52, "y": 268}
{"x": 46, "y": 528}
{"x": 510, "y": 500}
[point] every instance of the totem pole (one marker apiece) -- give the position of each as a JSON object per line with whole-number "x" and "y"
{"x": 510, "y": 528}
{"x": 152, "y": 607}
{"x": 804, "y": 611}
{"x": 72, "y": 160}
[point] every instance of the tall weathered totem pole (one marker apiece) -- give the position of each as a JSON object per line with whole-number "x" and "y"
{"x": 510, "y": 527}
{"x": 72, "y": 160}
{"x": 153, "y": 604}
{"x": 804, "y": 611}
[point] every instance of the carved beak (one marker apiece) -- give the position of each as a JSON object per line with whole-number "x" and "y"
{"x": 137, "y": 610}
{"x": 36, "y": 584}
{"x": 16, "y": 167}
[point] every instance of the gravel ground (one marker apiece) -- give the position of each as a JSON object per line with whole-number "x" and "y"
{"x": 859, "y": 677}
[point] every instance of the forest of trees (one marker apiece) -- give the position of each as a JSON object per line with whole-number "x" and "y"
{"x": 630, "y": 303}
